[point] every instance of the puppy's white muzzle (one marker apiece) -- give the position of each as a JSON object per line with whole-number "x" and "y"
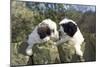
{"x": 55, "y": 36}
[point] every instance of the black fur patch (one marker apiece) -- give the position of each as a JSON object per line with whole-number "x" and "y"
{"x": 44, "y": 31}
{"x": 69, "y": 28}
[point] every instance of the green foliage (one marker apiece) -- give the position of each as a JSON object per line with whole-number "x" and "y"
{"x": 88, "y": 22}
{"x": 21, "y": 20}
{"x": 90, "y": 47}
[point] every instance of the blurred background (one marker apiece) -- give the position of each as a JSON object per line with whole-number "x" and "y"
{"x": 26, "y": 15}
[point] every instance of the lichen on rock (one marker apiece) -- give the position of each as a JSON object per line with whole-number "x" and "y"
{"x": 67, "y": 52}
{"x": 45, "y": 53}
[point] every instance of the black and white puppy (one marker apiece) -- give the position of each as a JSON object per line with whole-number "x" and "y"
{"x": 70, "y": 32}
{"x": 43, "y": 32}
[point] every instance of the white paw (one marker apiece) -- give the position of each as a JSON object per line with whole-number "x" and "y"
{"x": 80, "y": 53}
{"x": 27, "y": 58}
{"x": 29, "y": 52}
{"x": 53, "y": 46}
{"x": 54, "y": 43}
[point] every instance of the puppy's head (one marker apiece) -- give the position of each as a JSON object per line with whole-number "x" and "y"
{"x": 44, "y": 31}
{"x": 48, "y": 28}
{"x": 68, "y": 27}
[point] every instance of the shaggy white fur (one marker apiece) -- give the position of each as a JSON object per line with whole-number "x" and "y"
{"x": 34, "y": 37}
{"x": 77, "y": 39}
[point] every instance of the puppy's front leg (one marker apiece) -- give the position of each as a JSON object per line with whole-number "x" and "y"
{"x": 62, "y": 40}
{"x": 29, "y": 50}
{"x": 79, "y": 52}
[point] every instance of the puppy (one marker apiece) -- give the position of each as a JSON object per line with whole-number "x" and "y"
{"x": 70, "y": 32}
{"x": 43, "y": 32}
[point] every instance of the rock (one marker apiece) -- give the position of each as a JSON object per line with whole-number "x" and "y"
{"x": 67, "y": 52}
{"x": 17, "y": 57}
{"x": 45, "y": 53}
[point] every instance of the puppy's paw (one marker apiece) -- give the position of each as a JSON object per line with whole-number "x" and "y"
{"x": 29, "y": 52}
{"x": 54, "y": 43}
{"x": 82, "y": 59}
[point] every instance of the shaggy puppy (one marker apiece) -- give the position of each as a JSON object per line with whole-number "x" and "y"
{"x": 70, "y": 32}
{"x": 43, "y": 32}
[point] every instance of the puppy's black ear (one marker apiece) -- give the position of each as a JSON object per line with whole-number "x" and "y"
{"x": 44, "y": 31}
{"x": 69, "y": 28}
